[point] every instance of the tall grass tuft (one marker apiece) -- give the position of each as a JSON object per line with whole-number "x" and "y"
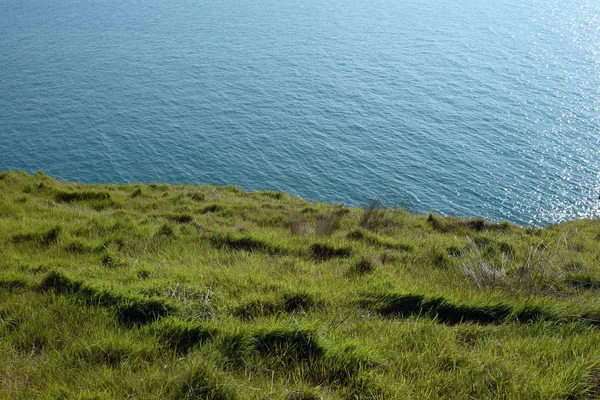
{"x": 288, "y": 345}
{"x": 327, "y": 224}
{"x": 366, "y": 265}
{"x": 204, "y": 382}
{"x": 182, "y": 336}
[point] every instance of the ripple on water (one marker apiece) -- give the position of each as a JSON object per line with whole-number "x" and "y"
{"x": 461, "y": 107}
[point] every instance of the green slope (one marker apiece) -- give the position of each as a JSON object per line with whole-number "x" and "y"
{"x": 186, "y": 292}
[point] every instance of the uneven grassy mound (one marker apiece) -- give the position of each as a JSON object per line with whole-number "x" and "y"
{"x": 185, "y": 292}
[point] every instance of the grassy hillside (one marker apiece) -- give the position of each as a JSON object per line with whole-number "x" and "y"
{"x": 185, "y": 292}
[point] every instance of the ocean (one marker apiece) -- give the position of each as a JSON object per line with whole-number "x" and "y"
{"x": 460, "y": 107}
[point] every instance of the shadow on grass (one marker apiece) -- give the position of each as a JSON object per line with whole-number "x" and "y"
{"x": 182, "y": 336}
{"x": 45, "y": 238}
{"x": 204, "y": 382}
{"x": 292, "y": 349}
{"x": 289, "y": 302}
{"x": 445, "y": 311}
{"x": 130, "y": 309}
{"x": 376, "y": 240}
{"x": 245, "y": 243}
{"x": 324, "y": 252}
{"x": 452, "y": 224}
{"x": 69, "y": 197}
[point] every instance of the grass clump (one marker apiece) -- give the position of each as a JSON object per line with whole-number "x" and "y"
{"x": 204, "y": 382}
{"x": 288, "y": 302}
{"x": 303, "y": 394}
{"x": 452, "y": 224}
{"x": 245, "y": 243}
{"x": 375, "y": 240}
{"x": 212, "y": 208}
{"x": 137, "y": 192}
{"x": 366, "y": 265}
{"x": 13, "y": 282}
{"x": 288, "y": 345}
{"x": 256, "y": 308}
{"x": 45, "y": 238}
{"x": 323, "y": 251}
{"x": 86, "y": 195}
{"x": 130, "y": 309}
{"x": 374, "y": 217}
{"x": 165, "y": 231}
{"x": 583, "y": 281}
{"x": 181, "y": 218}
{"x": 446, "y": 311}
{"x": 327, "y": 224}
{"x": 113, "y": 352}
{"x": 78, "y": 246}
{"x": 182, "y": 336}
{"x": 139, "y": 310}
{"x": 343, "y": 365}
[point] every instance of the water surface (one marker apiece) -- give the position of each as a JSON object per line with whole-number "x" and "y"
{"x": 462, "y": 107}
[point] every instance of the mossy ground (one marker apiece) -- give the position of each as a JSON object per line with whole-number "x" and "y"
{"x": 184, "y": 292}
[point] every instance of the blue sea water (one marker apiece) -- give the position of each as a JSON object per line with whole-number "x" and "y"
{"x": 461, "y": 107}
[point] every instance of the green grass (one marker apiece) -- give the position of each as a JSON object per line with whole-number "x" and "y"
{"x": 185, "y": 292}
